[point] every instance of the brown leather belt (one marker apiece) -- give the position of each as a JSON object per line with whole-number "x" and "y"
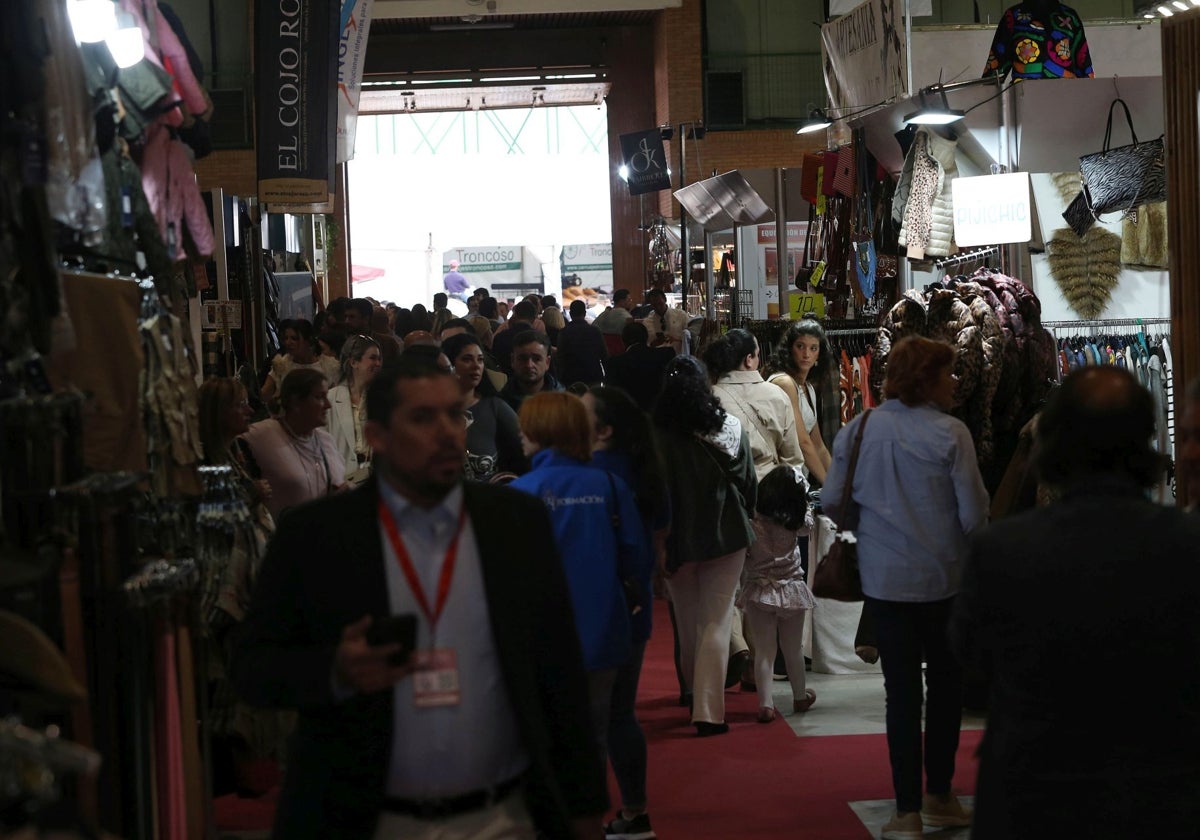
{"x": 452, "y": 806}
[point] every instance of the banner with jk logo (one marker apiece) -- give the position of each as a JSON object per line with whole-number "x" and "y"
{"x": 643, "y": 155}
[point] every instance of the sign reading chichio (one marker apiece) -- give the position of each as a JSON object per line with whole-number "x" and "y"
{"x": 992, "y": 209}
{"x": 296, "y": 99}
{"x": 864, "y": 55}
{"x": 642, "y": 153}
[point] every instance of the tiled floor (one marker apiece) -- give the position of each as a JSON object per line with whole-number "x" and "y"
{"x": 847, "y": 704}
{"x": 853, "y": 704}
{"x": 875, "y": 812}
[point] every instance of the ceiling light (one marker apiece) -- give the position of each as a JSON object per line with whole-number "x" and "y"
{"x": 127, "y": 46}
{"x": 92, "y": 20}
{"x": 1165, "y": 11}
{"x": 1181, "y": 6}
{"x": 817, "y": 121}
{"x": 936, "y": 114}
{"x": 1196, "y": 2}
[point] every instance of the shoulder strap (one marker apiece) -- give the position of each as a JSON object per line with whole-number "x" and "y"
{"x": 849, "y": 486}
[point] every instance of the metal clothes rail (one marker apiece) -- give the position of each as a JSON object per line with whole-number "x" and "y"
{"x": 967, "y": 256}
{"x": 1105, "y": 323}
{"x": 863, "y": 331}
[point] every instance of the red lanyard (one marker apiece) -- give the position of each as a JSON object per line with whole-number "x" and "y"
{"x": 410, "y": 574}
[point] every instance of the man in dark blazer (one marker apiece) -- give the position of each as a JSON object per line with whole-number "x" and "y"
{"x": 487, "y": 723}
{"x": 639, "y": 370}
{"x": 1082, "y": 615}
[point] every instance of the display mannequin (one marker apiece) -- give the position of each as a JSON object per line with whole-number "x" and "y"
{"x": 1040, "y": 39}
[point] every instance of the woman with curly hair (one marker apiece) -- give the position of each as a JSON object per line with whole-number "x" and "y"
{"x": 704, "y": 446}
{"x": 802, "y": 363}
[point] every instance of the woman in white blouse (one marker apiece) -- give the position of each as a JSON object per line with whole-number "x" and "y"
{"x": 804, "y": 360}
{"x": 293, "y": 452}
{"x": 300, "y": 352}
{"x": 361, "y": 360}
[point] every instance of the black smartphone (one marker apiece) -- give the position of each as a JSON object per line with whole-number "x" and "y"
{"x": 395, "y": 629}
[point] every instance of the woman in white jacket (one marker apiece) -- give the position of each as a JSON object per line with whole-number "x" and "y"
{"x": 361, "y": 360}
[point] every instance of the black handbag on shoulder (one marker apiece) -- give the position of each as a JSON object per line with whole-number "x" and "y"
{"x": 836, "y": 577}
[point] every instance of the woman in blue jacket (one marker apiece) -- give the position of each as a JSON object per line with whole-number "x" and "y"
{"x": 623, "y": 445}
{"x": 599, "y": 535}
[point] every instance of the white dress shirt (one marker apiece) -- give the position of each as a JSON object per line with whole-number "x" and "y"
{"x": 448, "y": 750}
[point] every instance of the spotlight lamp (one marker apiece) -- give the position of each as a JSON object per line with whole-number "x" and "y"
{"x": 817, "y": 121}
{"x": 934, "y": 114}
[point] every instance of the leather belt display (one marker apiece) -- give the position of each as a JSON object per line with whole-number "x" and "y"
{"x": 451, "y": 806}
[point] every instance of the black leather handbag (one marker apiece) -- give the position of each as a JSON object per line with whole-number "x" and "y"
{"x": 1125, "y": 177}
{"x": 836, "y": 577}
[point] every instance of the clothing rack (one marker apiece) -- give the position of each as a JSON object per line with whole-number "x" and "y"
{"x": 1105, "y": 323}
{"x": 967, "y": 256}
{"x": 860, "y": 331}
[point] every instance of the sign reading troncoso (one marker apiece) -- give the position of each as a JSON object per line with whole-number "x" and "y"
{"x": 486, "y": 259}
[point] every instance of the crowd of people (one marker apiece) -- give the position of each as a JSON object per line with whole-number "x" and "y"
{"x": 649, "y": 470}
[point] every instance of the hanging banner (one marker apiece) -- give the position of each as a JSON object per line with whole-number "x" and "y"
{"x": 642, "y": 153}
{"x": 295, "y": 69}
{"x": 916, "y": 8}
{"x": 864, "y": 55}
{"x": 352, "y": 50}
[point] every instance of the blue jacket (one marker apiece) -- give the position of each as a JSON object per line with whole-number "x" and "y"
{"x": 620, "y": 465}
{"x": 596, "y": 557}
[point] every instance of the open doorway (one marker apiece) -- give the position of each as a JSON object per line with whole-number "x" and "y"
{"x": 512, "y": 194}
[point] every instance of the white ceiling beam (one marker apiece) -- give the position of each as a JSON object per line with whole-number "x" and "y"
{"x": 392, "y": 9}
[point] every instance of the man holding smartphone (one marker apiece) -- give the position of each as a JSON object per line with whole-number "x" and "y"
{"x": 468, "y": 716}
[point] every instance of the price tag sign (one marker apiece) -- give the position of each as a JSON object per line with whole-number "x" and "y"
{"x": 803, "y": 303}
{"x": 222, "y": 315}
{"x": 992, "y": 209}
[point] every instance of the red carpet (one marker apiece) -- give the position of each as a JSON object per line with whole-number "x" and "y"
{"x": 759, "y": 780}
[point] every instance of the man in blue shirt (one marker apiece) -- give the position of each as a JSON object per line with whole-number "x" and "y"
{"x": 482, "y": 727}
{"x": 455, "y": 284}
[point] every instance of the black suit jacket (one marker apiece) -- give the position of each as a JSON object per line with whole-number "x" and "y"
{"x": 1059, "y": 607}
{"x": 324, "y": 570}
{"x": 639, "y": 371}
{"x": 580, "y": 353}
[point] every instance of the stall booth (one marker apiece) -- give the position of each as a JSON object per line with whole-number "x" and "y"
{"x": 128, "y": 541}
{"x": 979, "y": 214}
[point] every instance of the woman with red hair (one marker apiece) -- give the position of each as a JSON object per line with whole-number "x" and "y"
{"x": 599, "y": 534}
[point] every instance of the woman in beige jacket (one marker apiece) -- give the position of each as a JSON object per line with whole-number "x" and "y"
{"x": 764, "y": 410}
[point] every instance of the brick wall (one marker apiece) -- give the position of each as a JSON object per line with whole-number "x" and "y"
{"x": 679, "y": 89}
